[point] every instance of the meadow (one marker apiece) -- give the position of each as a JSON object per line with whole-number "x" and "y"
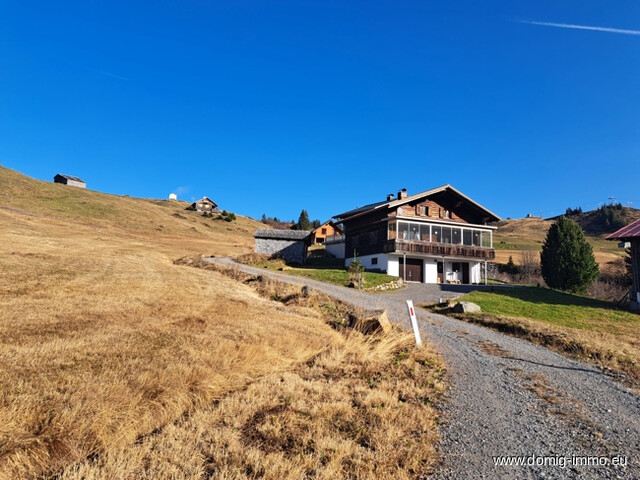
{"x": 119, "y": 363}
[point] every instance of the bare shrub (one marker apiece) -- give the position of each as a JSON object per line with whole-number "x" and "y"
{"x": 607, "y": 290}
{"x": 529, "y": 268}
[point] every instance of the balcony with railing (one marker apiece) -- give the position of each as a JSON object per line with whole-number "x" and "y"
{"x": 439, "y": 249}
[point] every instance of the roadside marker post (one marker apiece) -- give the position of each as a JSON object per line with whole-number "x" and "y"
{"x": 414, "y": 322}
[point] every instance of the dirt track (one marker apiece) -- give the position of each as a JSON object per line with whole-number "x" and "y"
{"x": 511, "y": 398}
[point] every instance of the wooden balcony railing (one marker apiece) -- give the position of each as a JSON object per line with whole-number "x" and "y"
{"x": 439, "y": 249}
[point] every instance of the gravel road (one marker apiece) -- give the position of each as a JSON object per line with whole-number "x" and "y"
{"x": 511, "y": 398}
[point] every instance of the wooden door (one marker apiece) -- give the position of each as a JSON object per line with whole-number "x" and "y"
{"x": 415, "y": 270}
{"x": 465, "y": 274}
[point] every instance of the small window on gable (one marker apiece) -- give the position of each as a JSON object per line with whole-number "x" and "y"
{"x": 374, "y": 260}
{"x": 324, "y": 231}
{"x": 422, "y": 210}
{"x": 446, "y": 214}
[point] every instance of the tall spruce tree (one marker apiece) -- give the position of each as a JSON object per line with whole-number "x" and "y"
{"x": 567, "y": 260}
{"x": 303, "y": 221}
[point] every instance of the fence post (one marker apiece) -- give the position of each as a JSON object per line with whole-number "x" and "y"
{"x": 414, "y": 322}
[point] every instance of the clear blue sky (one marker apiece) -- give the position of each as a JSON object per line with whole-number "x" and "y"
{"x": 274, "y": 106}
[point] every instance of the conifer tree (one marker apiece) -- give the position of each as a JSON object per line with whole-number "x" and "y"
{"x": 567, "y": 260}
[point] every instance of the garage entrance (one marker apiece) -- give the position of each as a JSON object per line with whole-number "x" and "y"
{"x": 415, "y": 269}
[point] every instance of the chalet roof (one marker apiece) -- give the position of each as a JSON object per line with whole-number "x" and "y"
{"x": 206, "y": 199}
{"x": 398, "y": 202}
{"x": 625, "y": 233}
{"x": 282, "y": 234}
{"x": 328, "y": 222}
{"x": 70, "y": 177}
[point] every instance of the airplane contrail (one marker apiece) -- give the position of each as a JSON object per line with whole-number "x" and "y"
{"x": 583, "y": 27}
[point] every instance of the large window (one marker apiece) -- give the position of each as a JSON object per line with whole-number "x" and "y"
{"x": 421, "y": 232}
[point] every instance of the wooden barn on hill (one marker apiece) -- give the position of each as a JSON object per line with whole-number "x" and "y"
{"x": 69, "y": 180}
{"x": 205, "y": 204}
{"x": 631, "y": 234}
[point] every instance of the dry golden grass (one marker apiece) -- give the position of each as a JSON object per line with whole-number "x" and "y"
{"x": 528, "y": 234}
{"x": 360, "y": 409}
{"x": 104, "y": 340}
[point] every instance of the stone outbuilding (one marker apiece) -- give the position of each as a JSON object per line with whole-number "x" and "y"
{"x": 290, "y": 245}
{"x": 69, "y": 180}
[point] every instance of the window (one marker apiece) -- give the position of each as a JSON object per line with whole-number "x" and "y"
{"x": 422, "y": 210}
{"x": 425, "y": 233}
{"x": 403, "y": 231}
{"x": 391, "y": 234}
{"x": 467, "y": 237}
{"x": 436, "y": 234}
{"x": 486, "y": 239}
{"x": 446, "y": 235}
{"x": 374, "y": 260}
{"x": 457, "y": 236}
{"x": 324, "y": 231}
{"x": 414, "y": 231}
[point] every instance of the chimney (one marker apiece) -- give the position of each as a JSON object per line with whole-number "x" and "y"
{"x": 390, "y": 197}
{"x": 402, "y": 194}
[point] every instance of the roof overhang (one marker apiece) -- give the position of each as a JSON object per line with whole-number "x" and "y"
{"x": 627, "y": 233}
{"x": 488, "y": 214}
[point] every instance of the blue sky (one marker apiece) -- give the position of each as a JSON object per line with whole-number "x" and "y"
{"x": 274, "y": 106}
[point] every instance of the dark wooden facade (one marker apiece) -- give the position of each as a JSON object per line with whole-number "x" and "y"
{"x": 366, "y": 228}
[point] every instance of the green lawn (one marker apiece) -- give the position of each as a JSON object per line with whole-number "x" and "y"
{"x": 556, "y": 308}
{"x": 341, "y": 276}
{"x": 329, "y": 273}
{"x": 585, "y": 328}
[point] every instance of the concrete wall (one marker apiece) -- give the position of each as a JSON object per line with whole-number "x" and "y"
{"x": 336, "y": 249}
{"x": 367, "y": 262}
{"x": 294, "y": 251}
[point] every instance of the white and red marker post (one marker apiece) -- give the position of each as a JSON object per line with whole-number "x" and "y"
{"x": 414, "y": 322}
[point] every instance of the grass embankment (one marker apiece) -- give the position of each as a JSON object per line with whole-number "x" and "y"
{"x": 584, "y": 328}
{"x": 329, "y": 274}
{"x": 108, "y": 348}
{"x": 360, "y": 408}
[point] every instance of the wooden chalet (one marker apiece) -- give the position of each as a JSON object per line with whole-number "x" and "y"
{"x": 69, "y": 180}
{"x": 631, "y": 235}
{"x": 437, "y": 236}
{"x": 327, "y": 229}
{"x": 205, "y": 204}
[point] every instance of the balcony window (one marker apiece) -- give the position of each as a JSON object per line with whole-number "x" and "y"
{"x": 486, "y": 239}
{"x": 425, "y": 233}
{"x": 477, "y": 238}
{"x": 414, "y": 232}
{"x": 403, "y": 231}
{"x": 436, "y": 234}
{"x": 456, "y": 237}
{"x": 467, "y": 237}
{"x": 446, "y": 235}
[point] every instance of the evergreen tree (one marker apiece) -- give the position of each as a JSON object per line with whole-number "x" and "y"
{"x": 303, "y": 221}
{"x": 511, "y": 266}
{"x": 567, "y": 260}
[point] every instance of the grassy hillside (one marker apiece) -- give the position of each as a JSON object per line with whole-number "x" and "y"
{"x": 105, "y": 343}
{"x": 515, "y": 236}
